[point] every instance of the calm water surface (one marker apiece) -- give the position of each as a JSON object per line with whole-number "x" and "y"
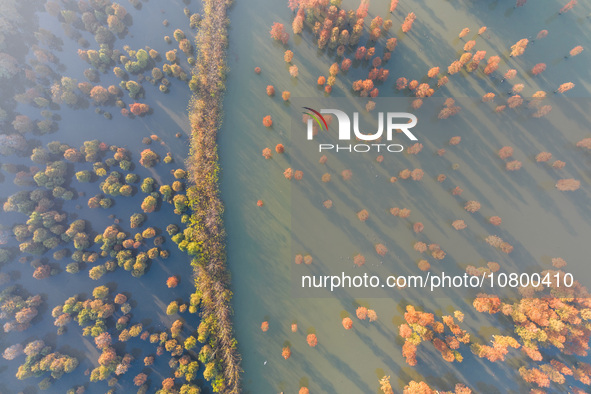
{"x": 538, "y": 220}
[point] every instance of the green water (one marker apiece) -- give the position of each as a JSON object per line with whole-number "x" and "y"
{"x": 538, "y": 220}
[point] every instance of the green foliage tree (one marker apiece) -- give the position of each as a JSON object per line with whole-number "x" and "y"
{"x": 84, "y": 176}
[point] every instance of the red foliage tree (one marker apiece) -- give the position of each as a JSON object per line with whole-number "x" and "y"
{"x": 381, "y": 249}
{"x": 408, "y": 21}
{"x": 42, "y": 272}
{"x": 576, "y": 50}
{"x": 469, "y": 45}
{"x": 361, "y": 313}
{"x": 433, "y": 72}
{"x": 278, "y": 33}
{"x": 363, "y": 9}
{"x": 569, "y": 6}
{"x": 401, "y": 83}
{"x": 359, "y": 260}
{"x": 360, "y": 53}
{"x": 538, "y": 68}
{"x": 298, "y": 23}
{"x": 455, "y": 67}
{"x": 393, "y": 5}
{"x": 346, "y": 64}
{"x": 568, "y": 184}
{"x": 565, "y": 87}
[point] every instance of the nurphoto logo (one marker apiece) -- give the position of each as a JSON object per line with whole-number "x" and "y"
{"x": 393, "y": 123}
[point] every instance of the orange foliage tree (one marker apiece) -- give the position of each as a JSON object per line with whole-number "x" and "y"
{"x": 288, "y": 56}
{"x": 173, "y": 281}
{"x": 286, "y": 352}
{"x": 518, "y": 48}
{"x": 347, "y": 323}
{"x": 408, "y": 21}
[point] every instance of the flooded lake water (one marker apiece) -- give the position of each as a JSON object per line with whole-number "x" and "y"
{"x": 148, "y": 295}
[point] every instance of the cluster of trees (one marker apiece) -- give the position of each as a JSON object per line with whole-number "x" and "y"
{"x": 550, "y": 322}
{"x": 100, "y": 59}
{"x": 40, "y": 360}
{"x": 12, "y": 143}
{"x": 149, "y": 158}
{"x": 421, "y": 387}
{"x": 64, "y": 91}
{"x": 337, "y": 27}
{"x": 52, "y": 178}
{"x": 341, "y": 29}
{"x": 422, "y": 326}
{"x": 91, "y": 314}
{"x": 132, "y": 61}
{"x": 109, "y": 363}
{"x": 113, "y": 185}
{"x": 45, "y": 228}
{"x": 116, "y": 244}
{"x": 18, "y": 310}
{"x": 141, "y": 62}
